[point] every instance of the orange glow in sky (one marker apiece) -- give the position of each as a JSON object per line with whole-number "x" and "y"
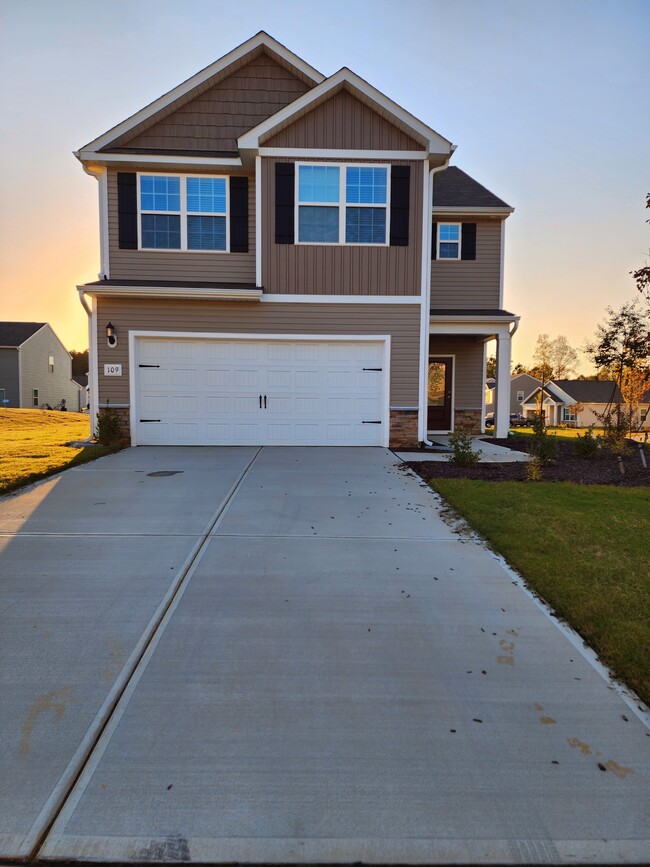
{"x": 547, "y": 103}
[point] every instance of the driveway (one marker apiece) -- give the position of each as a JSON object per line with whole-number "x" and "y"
{"x": 286, "y": 655}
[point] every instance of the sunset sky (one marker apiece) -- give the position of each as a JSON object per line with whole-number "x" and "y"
{"x": 547, "y": 102}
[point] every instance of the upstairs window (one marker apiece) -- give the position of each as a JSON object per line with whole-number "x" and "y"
{"x": 339, "y": 204}
{"x": 50, "y": 363}
{"x": 449, "y": 241}
{"x": 183, "y": 213}
{"x": 520, "y": 396}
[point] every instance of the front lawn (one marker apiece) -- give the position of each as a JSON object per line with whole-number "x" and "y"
{"x": 32, "y": 444}
{"x": 585, "y": 549}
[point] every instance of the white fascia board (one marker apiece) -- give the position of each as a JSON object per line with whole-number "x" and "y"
{"x": 38, "y": 331}
{"x": 170, "y": 292}
{"x": 260, "y": 39}
{"x": 436, "y": 143}
{"x": 290, "y": 298}
{"x": 473, "y": 327}
{"x": 342, "y": 154}
{"x": 99, "y": 159}
{"x": 480, "y": 212}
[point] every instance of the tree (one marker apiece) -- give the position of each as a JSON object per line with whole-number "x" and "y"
{"x": 622, "y": 347}
{"x": 519, "y": 368}
{"x": 491, "y": 367}
{"x": 642, "y": 275}
{"x": 79, "y": 362}
{"x": 543, "y": 358}
{"x": 564, "y": 358}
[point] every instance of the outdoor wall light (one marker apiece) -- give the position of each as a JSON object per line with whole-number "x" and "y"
{"x": 111, "y": 336}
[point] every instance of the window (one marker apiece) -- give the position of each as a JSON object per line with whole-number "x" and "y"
{"x": 449, "y": 241}
{"x": 183, "y": 213}
{"x": 568, "y": 413}
{"x": 50, "y": 364}
{"x": 520, "y": 396}
{"x": 34, "y": 397}
{"x": 338, "y": 204}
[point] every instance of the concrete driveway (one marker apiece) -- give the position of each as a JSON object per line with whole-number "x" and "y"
{"x": 286, "y": 655}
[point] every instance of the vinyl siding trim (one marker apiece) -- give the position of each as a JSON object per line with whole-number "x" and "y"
{"x": 341, "y": 154}
{"x": 341, "y": 299}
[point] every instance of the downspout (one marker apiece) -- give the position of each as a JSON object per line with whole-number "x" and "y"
{"x": 426, "y": 299}
{"x": 93, "y": 380}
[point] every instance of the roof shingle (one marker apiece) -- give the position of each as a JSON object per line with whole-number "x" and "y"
{"x": 453, "y": 188}
{"x": 16, "y": 333}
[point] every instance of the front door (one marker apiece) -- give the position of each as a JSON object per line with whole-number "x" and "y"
{"x": 439, "y": 392}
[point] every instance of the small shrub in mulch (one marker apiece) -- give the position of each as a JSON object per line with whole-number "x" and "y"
{"x": 599, "y": 468}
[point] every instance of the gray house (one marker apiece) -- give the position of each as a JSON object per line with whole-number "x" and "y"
{"x": 35, "y": 368}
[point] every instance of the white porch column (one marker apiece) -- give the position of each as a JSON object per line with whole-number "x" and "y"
{"x": 502, "y": 411}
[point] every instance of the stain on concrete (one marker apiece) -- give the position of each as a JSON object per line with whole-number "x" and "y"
{"x": 506, "y": 660}
{"x": 617, "y": 770}
{"x": 175, "y": 848}
{"x": 55, "y": 700}
{"x": 577, "y": 744}
{"x": 547, "y": 720}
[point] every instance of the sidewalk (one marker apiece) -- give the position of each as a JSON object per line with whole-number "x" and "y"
{"x": 491, "y": 453}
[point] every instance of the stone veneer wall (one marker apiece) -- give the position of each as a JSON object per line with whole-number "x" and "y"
{"x": 403, "y": 428}
{"x": 468, "y": 421}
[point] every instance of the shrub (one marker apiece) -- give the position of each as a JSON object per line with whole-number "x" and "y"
{"x": 543, "y": 446}
{"x": 587, "y": 445}
{"x": 108, "y": 431}
{"x": 463, "y": 455}
{"x": 534, "y": 470}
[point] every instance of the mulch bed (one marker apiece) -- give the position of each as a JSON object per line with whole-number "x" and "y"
{"x": 568, "y": 466}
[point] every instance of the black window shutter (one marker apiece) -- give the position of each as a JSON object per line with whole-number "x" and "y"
{"x": 127, "y": 210}
{"x": 400, "y": 195}
{"x": 284, "y": 202}
{"x": 434, "y": 240}
{"x": 468, "y": 241}
{"x": 239, "y": 215}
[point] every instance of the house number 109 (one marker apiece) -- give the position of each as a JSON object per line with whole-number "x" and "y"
{"x": 112, "y": 370}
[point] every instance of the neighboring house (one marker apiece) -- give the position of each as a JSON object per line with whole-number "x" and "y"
{"x": 82, "y": 381}
{"x": 35, "y": 368}
{"x": 521, "y": 385}
{"x": 576, "y": 402}
{"x": 490, "y": 394}
{"x": 287, "y": 258}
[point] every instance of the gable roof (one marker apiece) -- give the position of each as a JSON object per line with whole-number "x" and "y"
{"x": 590, "y": 390}
{"x": 432, "y": 142}
{"x": 153, "y": 111}
{"x": 16, "y": 333}
{"x": 453, "y": 188}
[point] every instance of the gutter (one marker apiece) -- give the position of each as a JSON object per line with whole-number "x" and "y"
{"x": 93, "y": 377}
{"x": 426, "y": 300}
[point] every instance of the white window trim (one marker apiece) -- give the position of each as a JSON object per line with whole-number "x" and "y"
{"x": 568, "y": 415}
{"x": 183, "y": 213}
{"x": 460, "y": 242}
{"x": 523, "y": 395}
{"x": 341, "y": 205}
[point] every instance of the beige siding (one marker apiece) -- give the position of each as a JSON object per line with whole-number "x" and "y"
{"x": 53, "y": 387}
{"x": 217, "y": 116}
{"x": 343, "y": 122}
{"x": 470, "y": 284}
{"x": 176, "y": 265}
{"x": 341, "y": 270}
{"x": 468, "y": 367}
{"x": 401, "y": 321}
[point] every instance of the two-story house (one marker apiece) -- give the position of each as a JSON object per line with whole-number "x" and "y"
{"x": 289, "y": 259}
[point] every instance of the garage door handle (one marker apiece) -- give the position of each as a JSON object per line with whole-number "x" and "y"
{"x": 260, "y": 401}
{"x": 264, "y": 401}
{"x": 372, "y": 368}
{"x": 370, "y": 422}
{"x": 148, "y": 420}
{"x": 148, "y": 365}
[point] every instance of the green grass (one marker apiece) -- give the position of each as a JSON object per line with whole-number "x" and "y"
{"x": 585, "y": 549}
{"x": 32, "y": 445}
{"x": 565, "y": 432}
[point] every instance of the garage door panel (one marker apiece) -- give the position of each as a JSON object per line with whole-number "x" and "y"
{"x": 207, "y": 391}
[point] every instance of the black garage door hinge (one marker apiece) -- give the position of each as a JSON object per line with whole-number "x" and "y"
{"x": 148, "y": 365}
{"x": 370, "y": 422}
{"x": 372, "y": 368}
{"x": 148, "y": 420}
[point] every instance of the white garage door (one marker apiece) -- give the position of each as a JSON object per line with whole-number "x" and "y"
{"x": 259, "y": 392}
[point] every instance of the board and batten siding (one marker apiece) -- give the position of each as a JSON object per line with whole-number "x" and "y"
{"x": 468, "y": 367}
{"x": 206, "y": 267}
{"x": 401, "y": 321}
{"x": 470, "y": 284}
{"x": 230, "y": 104}
{"x": 343, "y": 121}
{"x": 338, "y": 269}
